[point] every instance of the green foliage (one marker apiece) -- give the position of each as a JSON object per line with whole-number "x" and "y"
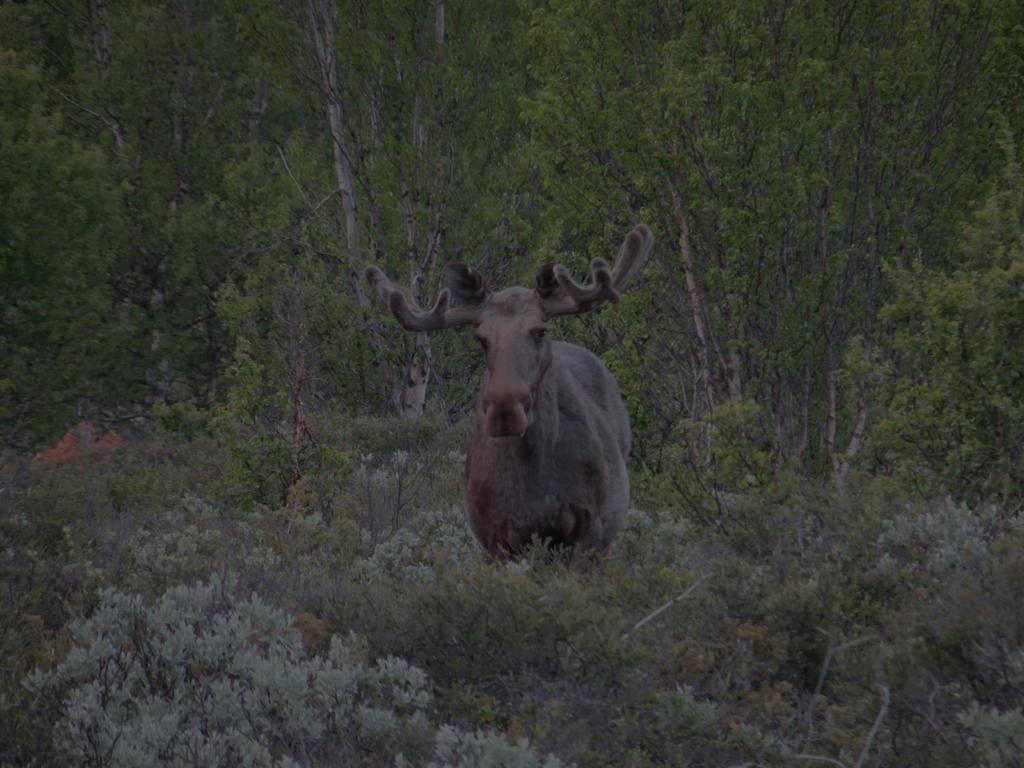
{"x": 60, "y": 333}
{"x": 202, "y": 675}
{"x": 802, "y": 149}
{"x": 288, "y": 352}
{"x": 836, "y": 291}
{"x": 791, "y": 591}
{"x": 954, "y": 416}
{"x": 175, "y": 238}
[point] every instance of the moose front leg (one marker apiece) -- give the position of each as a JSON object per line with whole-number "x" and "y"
{"x": 588, "y": 545}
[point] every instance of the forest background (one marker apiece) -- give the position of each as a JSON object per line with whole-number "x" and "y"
{"x": 823, "y": 361}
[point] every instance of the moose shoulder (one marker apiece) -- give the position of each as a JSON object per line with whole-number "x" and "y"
{"x": 547, "y": 458}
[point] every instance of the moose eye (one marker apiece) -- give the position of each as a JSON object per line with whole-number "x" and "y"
{"x": 483, "y": 342}
{"x": 539, "y": 334}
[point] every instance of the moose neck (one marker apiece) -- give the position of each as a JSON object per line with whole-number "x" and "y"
{"x": 540, "y": 436}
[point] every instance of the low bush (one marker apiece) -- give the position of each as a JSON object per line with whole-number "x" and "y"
{"x": 205, "y": 677}
{"x": 766, "y": 637}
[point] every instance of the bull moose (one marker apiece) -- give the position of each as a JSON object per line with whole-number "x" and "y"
{"x": 547, "y": 458}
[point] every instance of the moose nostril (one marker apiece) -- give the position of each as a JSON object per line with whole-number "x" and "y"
{"x": 506, "y": 402}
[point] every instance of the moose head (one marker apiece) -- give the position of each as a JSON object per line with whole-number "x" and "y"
{"x": 547, "y": 458}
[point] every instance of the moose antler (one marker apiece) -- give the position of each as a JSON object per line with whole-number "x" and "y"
{"x": 561, "y": 295}
{"x": 410, "y": 314}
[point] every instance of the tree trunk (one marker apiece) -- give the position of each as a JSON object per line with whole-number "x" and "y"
{"x": 99, "y": 32}
{"x": 730, "y": 362}
{"x": 805, "y": 414}
{"x": 841, "y": 467}
{"x": 323, "y": 28}
{"x": 830, "y": 409}
{"x": 705, "y": 386}
{"x": 412, "y": 394}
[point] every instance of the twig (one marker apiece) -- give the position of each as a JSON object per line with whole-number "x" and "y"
{"x": 884, "y": 690}
{"x": 323, "y": 200}
{"x": 113, "y": 125}
{"x": 654, "y": 614}
{"x": 288, "y": 168}
{"x": 313, "y": 208}
{"x": 830, "y": 654}
{"x": 821, "y": 759}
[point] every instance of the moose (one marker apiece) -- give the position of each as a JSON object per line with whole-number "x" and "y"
{"x": 547, "y": 457}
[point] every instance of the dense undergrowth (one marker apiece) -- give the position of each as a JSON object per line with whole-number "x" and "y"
{"x": 152, "y": 614}
{"x": 822, "y": 360}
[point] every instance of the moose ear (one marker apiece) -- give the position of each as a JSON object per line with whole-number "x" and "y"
{"x": 468, "y": 286}
{"x": 548, "y": 286}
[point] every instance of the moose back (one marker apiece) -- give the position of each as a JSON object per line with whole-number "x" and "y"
{"x": 547, "y": 459}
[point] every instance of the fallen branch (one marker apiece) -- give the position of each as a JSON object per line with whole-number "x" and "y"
{"x": 656, "y": 613}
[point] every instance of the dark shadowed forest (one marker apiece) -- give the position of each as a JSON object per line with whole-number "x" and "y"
{"x": 232, "y": 519}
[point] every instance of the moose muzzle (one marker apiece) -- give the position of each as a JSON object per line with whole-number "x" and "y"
{"x": 506, "y": 413}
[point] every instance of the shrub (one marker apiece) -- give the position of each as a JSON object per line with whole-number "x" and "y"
{"x": 948, "y": 538}
{"x": 455, "y": 749}
{"x": 200, "y": 678}
{"x": 79, "y": 444}
{"x": 203, "y": 678}
{"x": 787, "y": 621}
{"x": 998, "y": 737}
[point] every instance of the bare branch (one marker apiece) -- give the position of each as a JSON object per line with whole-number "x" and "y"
{"x": 821, "y": 759}
{"x": 654, "y": 614}
{"x": 884, "y": 692}
{"x": 833, "y": 649}
{"x": 113, "y": 125}
{"x": 288, "y": 168}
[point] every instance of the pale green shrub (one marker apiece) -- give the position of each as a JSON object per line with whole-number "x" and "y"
{"x": 997, "y": 737}
{"x": 199, "y": 678}
{"x": 393, "y": 487}
{"x": 950, "y": 537}
{"x": 167, "y": 552}
{"x": 455, "y": 749}
{"x": 429, "y": 538}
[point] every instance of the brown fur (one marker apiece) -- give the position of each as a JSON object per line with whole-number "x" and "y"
{"x": 547, "y": 459}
